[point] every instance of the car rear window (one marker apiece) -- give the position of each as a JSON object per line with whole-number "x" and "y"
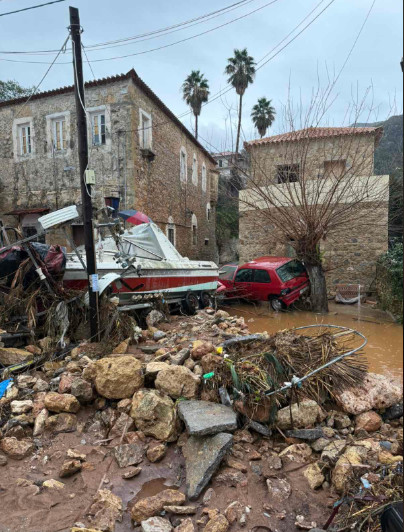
{"x": 261, "y": 276}
{"x": 227, "y": 273}
{"x": 290, "y": 270}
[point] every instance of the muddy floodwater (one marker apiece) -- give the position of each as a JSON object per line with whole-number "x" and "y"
{"x": 384, "y": 350}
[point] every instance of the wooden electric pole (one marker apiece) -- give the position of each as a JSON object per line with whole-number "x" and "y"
{"x": 75, "y": 32}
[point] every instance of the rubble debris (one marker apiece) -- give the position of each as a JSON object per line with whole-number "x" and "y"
{"x": 202, "y": 418}
{"x": 203, "y": 457}
{"x": 304, "y": 455}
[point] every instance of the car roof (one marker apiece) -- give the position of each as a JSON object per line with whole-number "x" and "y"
{"x": 267, "y": 262}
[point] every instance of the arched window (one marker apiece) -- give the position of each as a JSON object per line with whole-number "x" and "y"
{"x": 183, "y": 165}
{"x": 209, "y": 212}
{"x": 171, "y": 231}
{"x": 195, "y": 170}
{"x": 204, "y": 178}
{"x": 194, "y": 230}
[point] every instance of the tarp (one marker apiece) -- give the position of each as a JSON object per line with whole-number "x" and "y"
{"x": 149, "y": 242}
{"x": 145, "y": 241}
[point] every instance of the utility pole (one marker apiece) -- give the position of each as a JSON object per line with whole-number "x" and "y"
{"x": 75, "y": 32}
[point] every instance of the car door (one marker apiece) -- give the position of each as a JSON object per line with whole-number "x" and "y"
{"x": 243, "y": 283}
{"x": 261, "y": 285}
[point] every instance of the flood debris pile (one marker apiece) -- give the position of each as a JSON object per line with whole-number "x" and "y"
{"x": 92, "y": 427}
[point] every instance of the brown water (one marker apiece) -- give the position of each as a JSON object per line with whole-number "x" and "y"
{"x": 385, "y": 338}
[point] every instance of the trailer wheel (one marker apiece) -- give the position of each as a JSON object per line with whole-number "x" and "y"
{"x": 191, "y": 304}
{"x": 206, "y": 300}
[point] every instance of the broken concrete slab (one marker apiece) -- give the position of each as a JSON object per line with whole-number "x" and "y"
{"x": 202, "y": 418}
{"x": 203, "y": 457}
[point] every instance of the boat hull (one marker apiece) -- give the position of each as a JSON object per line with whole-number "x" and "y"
{"x": 173, "y": 284}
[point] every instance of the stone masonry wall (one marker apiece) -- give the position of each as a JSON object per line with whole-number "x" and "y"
{"x": 49, "y": 180}
{"x": 350, "y": 255}
{"x": 356, "y": 150}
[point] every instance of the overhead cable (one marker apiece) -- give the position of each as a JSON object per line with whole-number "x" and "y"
{"x": 181, "y": 25}
{"x": 32, "y": 7}
{"x": 159, "y": 47}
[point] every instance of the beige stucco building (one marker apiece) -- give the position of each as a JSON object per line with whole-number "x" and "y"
{"x": 141, "y": 153}
{"x": 323, "y": 174}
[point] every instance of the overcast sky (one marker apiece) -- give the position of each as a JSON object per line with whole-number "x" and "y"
{"x": 323, "y": 47}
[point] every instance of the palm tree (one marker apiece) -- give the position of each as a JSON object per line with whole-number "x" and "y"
{"x": 263, "y": 115}
{"x": 196, "y": 92}
{"x": 241, "y": 71}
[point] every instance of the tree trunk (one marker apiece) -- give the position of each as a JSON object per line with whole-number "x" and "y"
{"x": 318, "y": 282}
{"x": 240, "y": 116}
{"x": 196, "y": 127}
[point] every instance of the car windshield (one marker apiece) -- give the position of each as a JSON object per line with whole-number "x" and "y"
{"x": 227, "y": 273}
{"x": 290, "y": 271}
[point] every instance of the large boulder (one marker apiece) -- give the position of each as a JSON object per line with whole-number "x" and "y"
{"x": 10, "y": 356}
{"x": 305, "y": 415}
{"x": 153, "y": 506}
{"x": 155, "y": 415}
{"x": 377, "y": 392}
{"x": 119, "y": 377}
{"x": 178, "y": 381}
{"x": 56, "y": 402}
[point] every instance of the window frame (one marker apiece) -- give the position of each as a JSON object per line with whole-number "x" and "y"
{"x": 59, "y": 138}
{"x": 183, "y": 165}
{"x": 195, "y": 170}
{"x": 145, "y": 144}
{"x": 194, "y": 230}
{"x": 204, "y": 177}
{"x": 102, "y": 129}
{"x": 97, "y": 111}
{"x": 27, "y": 149}
{"x": 244, "y": 270}
{"x": 171, "y": 227}
{"x": 209, "y": 212}
{"x": 288, "y": 170}
{"x": 18, "y": 126}
{"x": 262, "y": 282}
{"x": 51, "y": 121}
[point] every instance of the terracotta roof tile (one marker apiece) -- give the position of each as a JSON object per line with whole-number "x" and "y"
{"x": 317, "y": 133}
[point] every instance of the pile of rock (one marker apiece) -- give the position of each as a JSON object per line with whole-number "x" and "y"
{"x": 141, "y": 398}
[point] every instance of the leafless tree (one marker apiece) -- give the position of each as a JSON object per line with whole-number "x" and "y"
{"x": 314, "y": 185}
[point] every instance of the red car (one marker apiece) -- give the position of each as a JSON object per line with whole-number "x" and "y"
{"x": 279, "y": 280}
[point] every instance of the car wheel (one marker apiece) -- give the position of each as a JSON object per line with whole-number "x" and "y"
{"x": 277, "y": 305}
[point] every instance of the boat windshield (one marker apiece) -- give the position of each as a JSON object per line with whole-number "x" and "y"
{"x": 290, "y": 271}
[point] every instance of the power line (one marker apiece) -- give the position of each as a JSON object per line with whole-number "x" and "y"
{"x": 32, "y": 7}
{"x": 156, "y": 33}
{"x": 159, "y": 47}
{"x": 62, "y": 49}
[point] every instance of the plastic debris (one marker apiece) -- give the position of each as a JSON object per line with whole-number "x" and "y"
{"x": 3, "y": 386}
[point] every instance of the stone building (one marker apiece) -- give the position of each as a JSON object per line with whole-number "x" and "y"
{"x": 142, "y": 155}
{"x": 324, "y": 156}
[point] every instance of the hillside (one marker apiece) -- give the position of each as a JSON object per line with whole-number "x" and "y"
{"x": 389, "y": 154}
